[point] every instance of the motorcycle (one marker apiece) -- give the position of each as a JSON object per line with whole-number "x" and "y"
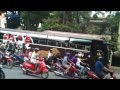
{"x": 61, "y": 71}
{"x": 51, "y": 65}
{"x": 6, "y": 60}
{"x": 88, "y": 74}
{"x": 110, "y": 75}
{"x": 17, "y": 60}
{"x": 30, "y": 68}
{"x": 2, "y": 74}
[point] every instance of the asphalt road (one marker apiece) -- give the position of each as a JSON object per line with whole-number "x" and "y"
{"x": 16, "y": 73}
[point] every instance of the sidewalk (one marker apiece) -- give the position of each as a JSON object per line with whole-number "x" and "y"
{"x": 116, "y": 69}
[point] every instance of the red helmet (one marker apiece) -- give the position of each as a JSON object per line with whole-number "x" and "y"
{"x": 27, "y": 39}
{"x": 41, "y": 59}
{"x": 20, "y": 37}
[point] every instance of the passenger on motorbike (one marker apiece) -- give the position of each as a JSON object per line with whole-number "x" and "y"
{"x": 100, "y": 69}
{"x": 74, "y": 58}
{"x": 66, "y": 63}
{"x": 79, "y": 62}
{"x": 26, "y": 54}
{"x": 55, "y": 58}
{"x": 50, "y": 55}
{"x": 30, "y": 53}
{"x": 35, "y": 58}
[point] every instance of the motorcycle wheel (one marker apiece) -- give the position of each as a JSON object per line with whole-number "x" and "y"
{"x": 24, "y": 70}
{"x": 10, "y": 64}
{"x": 2, "y": 74}
{"x": 44, "y": 75}
{"x": 58, "y": 70}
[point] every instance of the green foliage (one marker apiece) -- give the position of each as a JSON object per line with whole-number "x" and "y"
{"x": 72, "y": 21}
{"x": 13, "y": 20}
{"x": 31, "y": 19}
{"x": 69, "y": 21}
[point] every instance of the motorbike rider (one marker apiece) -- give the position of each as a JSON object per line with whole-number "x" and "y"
{"x": 100, "y": 69}
{"x": 9, "y": 47}
{"x": 30, "y": 53}
{"x": 35, "y": 58}
{"x": 19, "y": 43}
{"x": 74, "y": 58}
{"x": 27, "y": 40}
{"x": 66, "y": 63}
{"x": 5, "y": 37}
{"x": 42, "y": 63}
{"x": 26, "y": 54}
{"x": 50, "y": 55}
{"x": 79, "y": 62}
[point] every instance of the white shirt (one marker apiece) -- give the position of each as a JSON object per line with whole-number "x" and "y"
{"x": 20, "y": 44}
{"x": 78, "y": 61}
{"x": 34, "y": 57}
{"x": 29, "y": 55}
{"x": 49, "y": 54}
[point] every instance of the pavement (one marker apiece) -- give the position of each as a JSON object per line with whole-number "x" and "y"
{"x": 17, "y": 73}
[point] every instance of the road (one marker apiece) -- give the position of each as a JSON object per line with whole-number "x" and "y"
{"x": 16, "y": 73}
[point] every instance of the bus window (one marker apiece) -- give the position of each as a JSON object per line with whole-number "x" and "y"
{"x": 72, "y": 45}
{"x": 87, "y": 48}
{"x": 65, "y": 44}
{"x": 35, "y": 40}
{"x": 52, "y": 42}
{"x": 59, "y": 44}
{"x": 82, "y": 47}
{"x": 42, "y": 41}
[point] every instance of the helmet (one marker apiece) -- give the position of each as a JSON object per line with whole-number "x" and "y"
{"x": 36, "y": 49}
{"x": 67, "y": 53}
{"x": 28, "y": 48}
{"x": 41, "y": 59}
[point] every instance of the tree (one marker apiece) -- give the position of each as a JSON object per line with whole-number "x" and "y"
{"x": 72, "y": 21}
{"x": 31, "y": 19}
{"x": 13, "y": 19}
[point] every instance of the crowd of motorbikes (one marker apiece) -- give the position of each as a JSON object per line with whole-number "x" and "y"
{"x": 74, "y": 71}
{"x": 9, "y": 60}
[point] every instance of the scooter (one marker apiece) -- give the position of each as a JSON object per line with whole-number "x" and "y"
{"x": 30, "y": 68}
{"x": 2, "y": 74}
{"x": 52, "y": 66}
{"x": 71, "y": 73}
{"x": 6, "y": 60}
{"x": 88, "y": 74}
{"x": 110, "y": 75}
